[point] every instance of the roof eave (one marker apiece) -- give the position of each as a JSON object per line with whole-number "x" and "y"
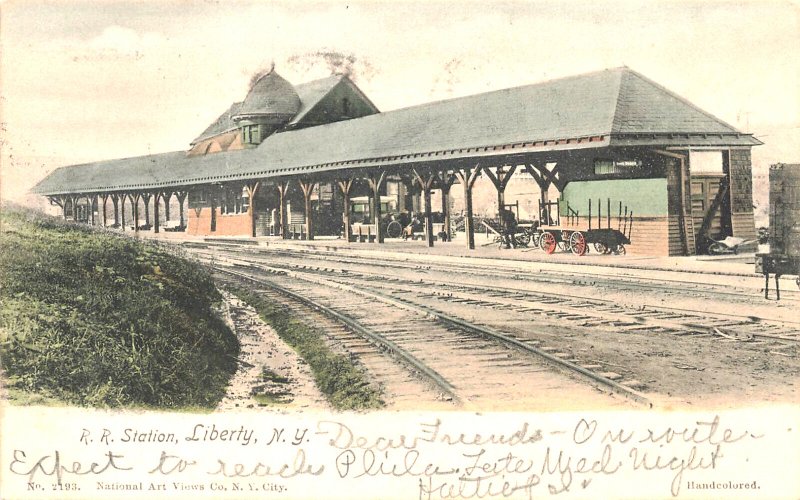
{"x": 684, "y": 139}
{"x": 477, "y": 153}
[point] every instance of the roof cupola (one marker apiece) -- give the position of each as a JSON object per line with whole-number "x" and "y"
{"x": 271, "y": 98}
{"x": 270, "y": 104}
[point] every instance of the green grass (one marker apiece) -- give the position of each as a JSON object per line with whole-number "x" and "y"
{"x": 345, "y": 386}
{"x": 89, "y": 317}
{"x": 270, "y": 392}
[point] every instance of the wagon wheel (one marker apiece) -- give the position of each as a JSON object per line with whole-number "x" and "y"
{"x": 601, "y": 248}
{"x": 394, "y": 229}
{"x": 619, "y": 249}
{"x": 547, "y": 242}
{"x": 577, "y": 243}
{"x": 535, "y": 239}
{"x": 717, "y": 248}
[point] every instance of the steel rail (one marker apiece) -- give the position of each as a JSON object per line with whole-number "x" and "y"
{"x": 628, "y": 280}
{"x": 482, "y": 331}
{"x": 380, "y": 341}
{"x": 491, "y": 333}
{"x": 676, "y": 324}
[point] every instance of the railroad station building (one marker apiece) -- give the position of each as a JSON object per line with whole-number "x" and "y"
{"x": 319, "y": 159}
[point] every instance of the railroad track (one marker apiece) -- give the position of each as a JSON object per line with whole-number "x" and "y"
{"x": 569, "y": 308}
{"x": 685, "y": 287}
{"x": 474, "y": 364}
{"x": 402, "y": 379}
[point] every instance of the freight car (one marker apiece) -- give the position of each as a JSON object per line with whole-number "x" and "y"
{"x": 784, "y": 224}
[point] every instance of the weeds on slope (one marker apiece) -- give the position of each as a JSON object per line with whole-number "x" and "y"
{"x": 93, "y": 318}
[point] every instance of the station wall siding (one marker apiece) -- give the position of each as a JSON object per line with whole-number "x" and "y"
{"x": 226, "y": 225}
{"x": 649, "y": 235}
{"x": 741, "y": 179}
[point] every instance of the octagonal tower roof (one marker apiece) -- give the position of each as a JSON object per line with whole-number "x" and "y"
{"x": 271, "y": 97}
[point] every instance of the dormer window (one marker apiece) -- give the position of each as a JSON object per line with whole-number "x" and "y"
{"x": 251, "y": 134}
{"x": 346, "y": 106}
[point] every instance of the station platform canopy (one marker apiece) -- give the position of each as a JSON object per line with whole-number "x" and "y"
{"x": 616, "y": 107}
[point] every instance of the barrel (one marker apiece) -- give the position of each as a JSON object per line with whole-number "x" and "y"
{"x": 784, "y": 209}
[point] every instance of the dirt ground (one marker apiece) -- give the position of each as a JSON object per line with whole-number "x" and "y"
{"x": 271, "y": 376}
{"x": 676, "y": 371}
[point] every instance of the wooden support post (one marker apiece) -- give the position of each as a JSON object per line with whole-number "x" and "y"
{"x": 345, "y": 186}
{"x": 122, "y": 199}
{"x": 135, "y": 203}
{"x": 104, "y": 196}
{"x": 167, "y": 197}
{"x": 376, "y": 182}
{"x": 74, "y": 203}
{"x": 92, "y": 204}
{"x": 252, "y": 188}
{"x": 156, "y": 198}
{"x": 446, "y": 182}
{"x": 71, "y": 200}
{"x": 308, "y": 188}
{"x": 283, "y": 188}
{"x": 181, "y": 195}
{"x": 63, "y": 204}
{"x": 425, "y": 183}
{"x": 212, "y": 199}
{"x": 467, "y": 178}
{"x": 146, "y": 200}
{"x": 71, "y": 212}
{"x": 500, "y": 181}
{"x": 115, "y": 202}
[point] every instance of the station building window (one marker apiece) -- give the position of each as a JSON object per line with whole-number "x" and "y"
{"x": 604, "y": 167}
{"x": 198, "y": 197}
{"x": 251, "y": 134}
{"x": 613, "y": 167}
{"x": 706, "y": 162}
{"x": 232, "y": 200}
{"x": 245, "y": 201}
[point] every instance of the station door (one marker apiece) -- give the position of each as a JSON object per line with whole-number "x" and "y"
{"x": 709, "y": 207}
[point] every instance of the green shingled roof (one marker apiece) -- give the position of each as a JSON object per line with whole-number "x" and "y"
{"x": 310, "y": 94}
{"x": 618, "y": 104}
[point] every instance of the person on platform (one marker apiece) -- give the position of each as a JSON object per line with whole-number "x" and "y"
{"x": 413, "y": 224}
{"x": 509, "y": 228}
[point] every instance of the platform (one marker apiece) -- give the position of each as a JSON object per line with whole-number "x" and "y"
{"x": 742, "y": 265}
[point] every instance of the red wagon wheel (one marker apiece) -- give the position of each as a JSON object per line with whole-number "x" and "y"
{"x": 577, "y": 243}
{"x": 547, "y": 242}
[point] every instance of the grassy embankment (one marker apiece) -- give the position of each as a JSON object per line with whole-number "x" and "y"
{"x": 92, "y": 318}
{"x": 345, "y": 386}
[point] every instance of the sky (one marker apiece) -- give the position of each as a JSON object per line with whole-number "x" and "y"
{"x": 91, "y": 80}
